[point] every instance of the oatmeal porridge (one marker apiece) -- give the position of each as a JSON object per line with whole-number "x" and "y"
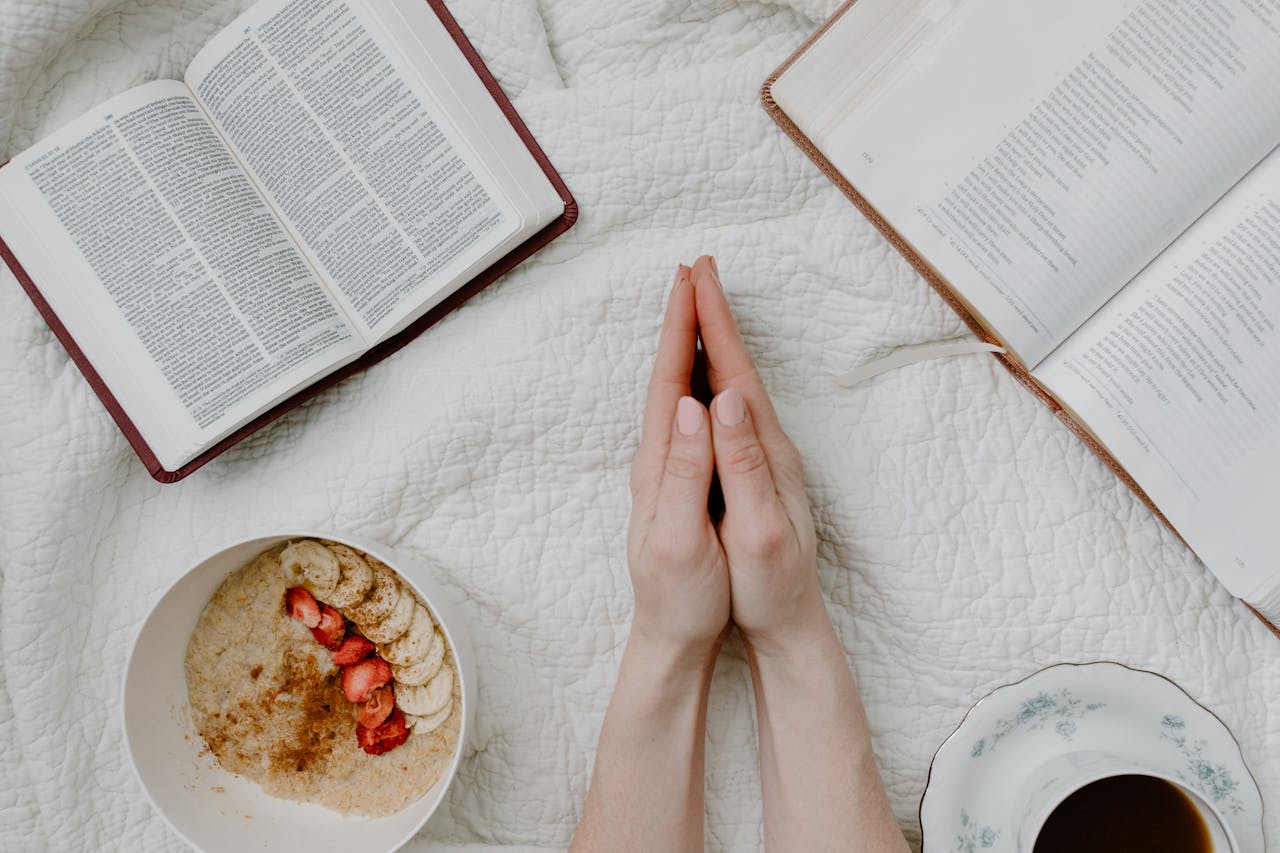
{"x": 315, "y": 672}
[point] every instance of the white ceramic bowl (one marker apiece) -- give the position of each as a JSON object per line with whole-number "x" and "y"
{"x": 215, "y": 810}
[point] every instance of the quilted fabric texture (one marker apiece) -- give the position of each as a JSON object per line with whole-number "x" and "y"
{"x": 966, "y": 538}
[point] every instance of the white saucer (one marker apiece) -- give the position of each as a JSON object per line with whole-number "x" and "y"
{"x": 969, "y": 803}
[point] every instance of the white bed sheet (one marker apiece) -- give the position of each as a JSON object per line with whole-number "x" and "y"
{"x": 967, "y": 538}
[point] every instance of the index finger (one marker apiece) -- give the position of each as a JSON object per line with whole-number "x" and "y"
{"x": 728, "y": 362}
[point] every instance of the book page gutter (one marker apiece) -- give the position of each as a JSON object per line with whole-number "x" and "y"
{"x": 382, "y": 197}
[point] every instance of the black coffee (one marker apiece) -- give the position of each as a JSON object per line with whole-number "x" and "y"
{"x": 1125, "y": 814}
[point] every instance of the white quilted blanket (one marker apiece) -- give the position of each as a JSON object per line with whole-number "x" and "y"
{"x": 967, "y": 538}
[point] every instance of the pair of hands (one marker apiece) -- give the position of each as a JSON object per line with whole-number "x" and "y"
{"x": 695, "y": 576}
{"x": 756, "y": 568}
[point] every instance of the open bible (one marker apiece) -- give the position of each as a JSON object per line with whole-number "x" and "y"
{"x": 331, "y": 177}
{"x": 1095, "y": 186}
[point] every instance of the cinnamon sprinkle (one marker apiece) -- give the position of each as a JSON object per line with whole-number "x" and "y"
{"x": 313, "y": 720}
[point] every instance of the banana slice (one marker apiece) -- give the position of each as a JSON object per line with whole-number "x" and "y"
{"x": 413, "y": 645}
{"x": 426, "y": 699}
{"x": 272, "y": 564}
{"x": 431, "y": 722}
{"x": 381, "y": 600}
{"x": 425, "y": 669}
{"x": 310, "y": 564}
{"x": 355, "y": 579}
{"x": 397, "y": 621}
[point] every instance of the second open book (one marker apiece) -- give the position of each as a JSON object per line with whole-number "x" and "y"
{"x": 329, "y": 177}
{"x": 1096, "y": 186}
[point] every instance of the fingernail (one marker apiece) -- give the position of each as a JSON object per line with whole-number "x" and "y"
{"x": 714, "y": 271}
{"x": 730, "y": 408}
{"x": 688, "y": 416}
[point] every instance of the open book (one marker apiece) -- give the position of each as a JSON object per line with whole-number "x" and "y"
{"x": 1096, "y": 186}
{"x": 330, "y": 177}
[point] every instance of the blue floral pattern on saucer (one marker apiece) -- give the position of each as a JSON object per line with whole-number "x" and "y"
{"x": 973, "y": 837}
{"x": 1060, "y": 707}
{"x": 1214, "y": 781}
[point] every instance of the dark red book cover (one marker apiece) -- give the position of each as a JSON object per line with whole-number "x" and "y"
{"x": 374, "y": 355}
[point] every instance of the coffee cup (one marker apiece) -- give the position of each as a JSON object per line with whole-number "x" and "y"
{"x": 1181, "y": 811}
{"x": 1096, "y": 745}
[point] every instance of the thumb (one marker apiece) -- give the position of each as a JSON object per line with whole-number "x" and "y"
{"x": 743, "y": 466}
{"x": 686, "y": 480}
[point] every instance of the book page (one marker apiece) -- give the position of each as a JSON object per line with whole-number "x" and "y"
{"x": 1179, "y": 376}
{"x": 169, "y": 269}
{"x": 1038, "y": 154}
{"x": 380, "y": 189}
{"x": 434, "y": 66}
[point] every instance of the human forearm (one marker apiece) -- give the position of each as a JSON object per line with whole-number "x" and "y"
{"x": 821, "y": 788}
{"x": 647, "y": 787}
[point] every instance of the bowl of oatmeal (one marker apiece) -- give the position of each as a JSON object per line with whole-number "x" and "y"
{"x": 304, "y": 691}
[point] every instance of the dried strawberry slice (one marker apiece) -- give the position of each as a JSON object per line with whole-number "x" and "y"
{"x": 331, "y": 628}
{"x": 377, "y": 708}
{"x": 361, "y": 679}
{"x": 385, "y": 737}
{"x": 302, "y": 605}
{"x": 353, "y": 649}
